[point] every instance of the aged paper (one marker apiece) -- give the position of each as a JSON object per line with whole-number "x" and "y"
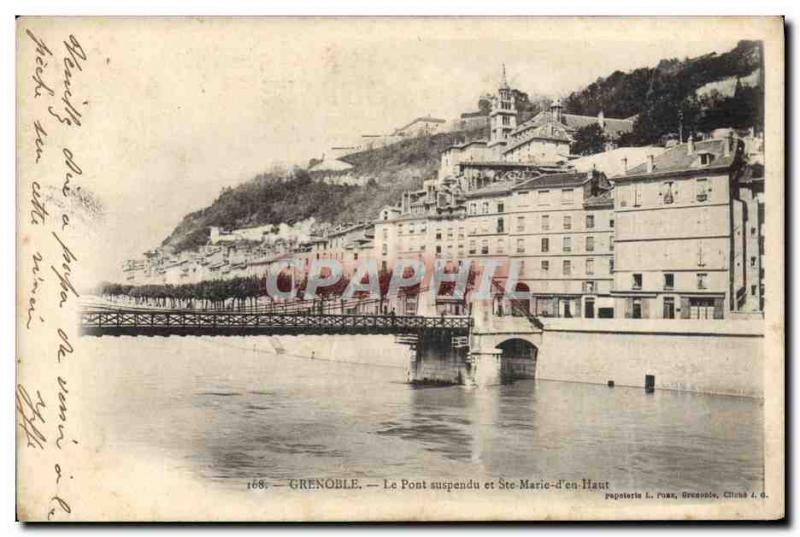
{"x": 373, "y": 269}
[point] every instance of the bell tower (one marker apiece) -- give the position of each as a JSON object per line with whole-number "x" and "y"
{"x": 503, "y": 115}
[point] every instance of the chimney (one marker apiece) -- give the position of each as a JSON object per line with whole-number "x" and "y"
{"x": 690, "y": 145}
{"x": 625, "y": 164}
{"x": 650, "y": 163}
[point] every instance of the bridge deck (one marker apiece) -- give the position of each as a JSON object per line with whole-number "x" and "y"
{"x": 155, "y": 323}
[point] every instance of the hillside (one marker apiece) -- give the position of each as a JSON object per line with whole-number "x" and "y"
{"x": 699, "y": 94}
{"x": 658, "y": 94}
{"x": 272, "y": 198}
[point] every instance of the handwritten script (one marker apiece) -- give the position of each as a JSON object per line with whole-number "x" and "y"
{"x": 55, "y": 110}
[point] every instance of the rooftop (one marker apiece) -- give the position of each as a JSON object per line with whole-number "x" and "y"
{"x": 554, "y": 180}
{"x": 680, "y": 158}
{"x": 613, "y": 126}
{"x": 495, "y": 189}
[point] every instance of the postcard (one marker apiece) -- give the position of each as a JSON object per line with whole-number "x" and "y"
{"x": 400, "y": 269}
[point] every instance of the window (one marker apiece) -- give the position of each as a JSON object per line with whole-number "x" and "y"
{"x": 438, "y": 234}
{"x": 588, "y": 287}
{"x": 566, "y": 267}
{"x": 472, "y": 247}
{"x": 752, "y": 261}
{"x": 438, "y": 249}
{"x": 484, "y": 247}
{"x": 669, "y": 281}
{"x": 500, "y": 206}
{"x": 501, "y": 246}
{"x": 667, "y": 195}
{"x": 450, "y": 233}
{"x": 545, "y": 245}
{"x": 500, "y": 225}
{"x": 702, "y": 280}
{"x": 545, "y": 222}
{"x": 611, "y": 223}
{"x": 545, "y": 266}
{"x": 385, "y": 233}
{"x": 589, "y": 221}
{"x": 566, "y": 244}
{"x": 637, "y": 281}
{"x": 637, "y": 194}
{"x": 701, "y": 189}
{"x": 669, "y": 307}
{"x": 611, "y": 265}
{"x": 485, "y": 208}
{"x": 544, "y": 197}
{"x": 706, "y": 158}
{"x": 636, "y": 308}
{"x": 520, "y": 223}
{"x": 754, "y": 290}
{"x": 355, "y": 255}
{"x": 472, "y": 208}
{"x": 520, "y": 246}
{"x": 567, "y": 222}
{"x": 566, "y": 196}
{"x": 590, "y": 244}
{"x": 590, "y": 267}
{"x": 384, "y": 249}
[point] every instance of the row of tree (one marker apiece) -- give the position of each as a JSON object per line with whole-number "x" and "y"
{"x": 245, "y": 292}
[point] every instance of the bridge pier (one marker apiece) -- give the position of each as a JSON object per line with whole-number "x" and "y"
{"x": 438, "y": 360}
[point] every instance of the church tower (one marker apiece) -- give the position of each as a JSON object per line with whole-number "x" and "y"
{"x": 503, "y": 115}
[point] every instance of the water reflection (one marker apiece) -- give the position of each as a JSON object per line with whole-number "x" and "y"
{"x": 231, "y": 413}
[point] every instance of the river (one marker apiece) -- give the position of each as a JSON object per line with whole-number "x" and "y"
{"x": 232, "y": 409}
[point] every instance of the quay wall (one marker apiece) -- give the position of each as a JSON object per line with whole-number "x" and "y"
{"x": 719, "y": 357}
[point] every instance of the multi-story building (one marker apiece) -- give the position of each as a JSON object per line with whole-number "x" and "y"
{"x": 346, "y": 244}
{"x": 487, "y": 226}
{"x": 684, "y": 238}
{"x": 561, "y": 231}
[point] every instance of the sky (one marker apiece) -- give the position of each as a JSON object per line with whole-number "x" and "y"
{"x": 180, "y": 109}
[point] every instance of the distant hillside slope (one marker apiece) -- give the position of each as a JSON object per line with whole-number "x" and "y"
{"x": 272, "y": 199}
{"x": 658, "y": 94}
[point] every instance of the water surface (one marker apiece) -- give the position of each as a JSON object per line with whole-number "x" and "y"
{"x": 230, "y": 409}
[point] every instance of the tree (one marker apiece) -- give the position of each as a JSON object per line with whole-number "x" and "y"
{"x": 589, "y": 140}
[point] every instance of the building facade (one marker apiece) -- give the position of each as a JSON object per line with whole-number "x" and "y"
{"x": 561, "y": 232}
{"x": 683, "y": 238}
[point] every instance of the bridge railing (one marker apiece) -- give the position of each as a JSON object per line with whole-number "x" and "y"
{"x": 295, "y": 305}
{"x": 135, "y": 319}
